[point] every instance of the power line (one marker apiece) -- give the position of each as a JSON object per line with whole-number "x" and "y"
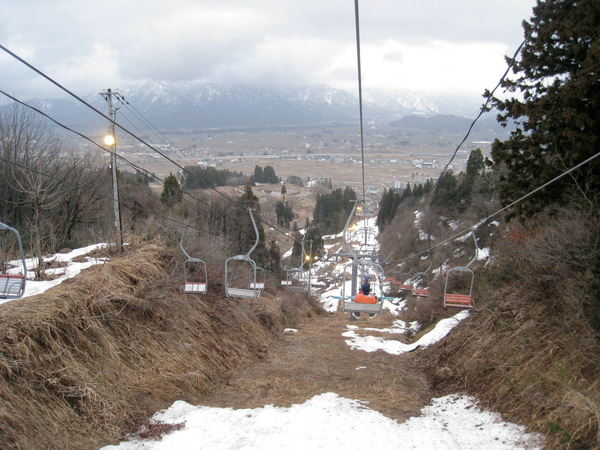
{"x": 360, "y": 105}
{"x": 121, "y": 158}
{"x": 484, "y": 108}
{"x": 39, "y": 72}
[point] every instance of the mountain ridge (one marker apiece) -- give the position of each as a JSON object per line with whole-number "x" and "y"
{"x": 194, "y": 106}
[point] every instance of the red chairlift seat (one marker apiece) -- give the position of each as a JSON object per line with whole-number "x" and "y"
{"x": 461, "y": 300}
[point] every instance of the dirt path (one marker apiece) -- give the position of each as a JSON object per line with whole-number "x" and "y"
{"x": 316, "y": 359}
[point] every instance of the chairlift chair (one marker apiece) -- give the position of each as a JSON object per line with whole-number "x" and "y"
{"x": 404, "y": 286}
{"x": 193, "y": 284}
{"x": 423, "y": 292}
{"x": 257, "y": 274}
{"x": 12, "y": 281}
{"x": 351, "y": 306}
{"x": 456, "y": 299}
{"x": 293, "y": 279}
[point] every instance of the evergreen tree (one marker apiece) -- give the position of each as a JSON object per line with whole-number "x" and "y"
{"x": 279, "y": 211}
{"x": 445, "y": 194}
{"x": 171, "y": 193}
{"x": 258, "y": 176}
{"x": 312, "y": 234}
{"x": 332, "y": 210}
{"x": 557, "y": 111}
{"x": 269, "y": 175}
{"x": 296, "y": 258}
{"x": 242, "y": 230}
{"x": 283, "y": 189}
{"x": 475, "y": 163}
{"x": 284, "y": 213}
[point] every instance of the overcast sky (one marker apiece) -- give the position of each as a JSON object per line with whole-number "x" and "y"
{"x": 438, "y": 46}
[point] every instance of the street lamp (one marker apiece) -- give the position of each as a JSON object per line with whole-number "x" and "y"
{"x": 109, "y": 140}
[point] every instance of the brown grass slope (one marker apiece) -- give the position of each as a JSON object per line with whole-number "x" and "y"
{"x": 92, "y": 359}
{"x": 530, "y": 349}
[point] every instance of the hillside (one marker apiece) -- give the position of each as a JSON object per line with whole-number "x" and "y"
{"x": 119, "y": 342}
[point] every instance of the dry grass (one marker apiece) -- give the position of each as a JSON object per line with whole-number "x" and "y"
{"x": 316, "y": 360}
{"x": 529, "y": 350}
{"x": 92, "y": 359}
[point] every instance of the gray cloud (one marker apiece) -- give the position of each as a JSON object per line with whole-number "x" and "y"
{"x": 93, "y": 45}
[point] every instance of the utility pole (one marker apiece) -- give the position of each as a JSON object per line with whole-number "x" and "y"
{"x": 111, "y": 142}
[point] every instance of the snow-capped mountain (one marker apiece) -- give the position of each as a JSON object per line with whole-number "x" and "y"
{"x": 189, "y": 106}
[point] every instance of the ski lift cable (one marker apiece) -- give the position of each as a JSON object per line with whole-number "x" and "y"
{"x": 120, "y": 157}
{"x": 491, "y": 216}
{"x": 360, "y": 106}
{"x": 484, "y": 108}
{"x": 39, "y": 72}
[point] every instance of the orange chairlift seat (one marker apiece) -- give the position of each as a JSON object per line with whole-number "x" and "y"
{"x": 254, "y": 287}
{"x": 461, "y": 300}
{"x": 362, "y": 262}
{"x": 12, "y": 285}
{"x": 377, "y": 275}
{"x": 404, "y": 286}
{"x": 194, "y": 273}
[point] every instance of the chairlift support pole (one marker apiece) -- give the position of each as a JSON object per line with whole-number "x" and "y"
{"x": 350, "y": 250}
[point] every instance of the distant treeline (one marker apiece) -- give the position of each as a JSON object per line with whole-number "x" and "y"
{"x": 332, "y": 210}
{"x": 266, "y": 175}
{"x": 198, "y": 177}
{"x": 452, "y": 192}
{"x": 390, "y": 200}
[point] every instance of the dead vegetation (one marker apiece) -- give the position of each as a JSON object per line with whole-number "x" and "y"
{"x": 530, "y": 349}
{"x": 93, "y": 358}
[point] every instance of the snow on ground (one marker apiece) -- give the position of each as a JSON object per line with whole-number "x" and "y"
{"x": 71, "y": 269}
{"x": 328, "y": 421}
{"x": 393, "y": 347}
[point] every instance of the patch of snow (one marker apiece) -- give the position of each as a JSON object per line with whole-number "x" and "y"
{"x": 329, "y": 421}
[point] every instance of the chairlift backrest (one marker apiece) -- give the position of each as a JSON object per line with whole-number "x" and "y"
{"x": 293, "y": 278}
{"x": 257, "y": 282}
{"x": 460, "y": 300}
{"x": 12, "y": 285}
{"x": 198, "y": 285}
{"x": 423, "y": 292}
